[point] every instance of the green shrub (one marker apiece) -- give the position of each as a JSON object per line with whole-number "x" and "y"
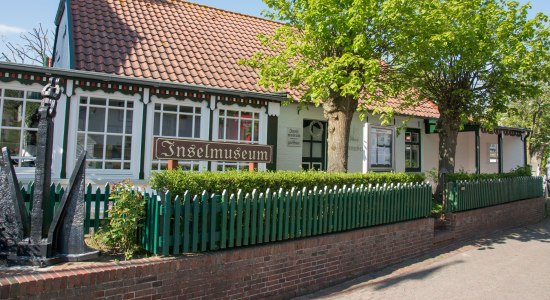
{"x": 517, "y": 172}
{"x": 119, "y": 236}
{"x": 178, "y": 181}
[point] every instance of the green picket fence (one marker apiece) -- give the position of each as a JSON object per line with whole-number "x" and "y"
{"x": 198, "y": 223}
{"x": 96, "y": 202}
{"x": 210, "y": 222}
{"x": 466, "y": 195}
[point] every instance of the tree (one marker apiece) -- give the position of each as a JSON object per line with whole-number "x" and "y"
{"x": 533, "y": 113}
{"x": 330, "y": 53}
{"x": 470, "y": 57}
{"x": 36, "y": 46}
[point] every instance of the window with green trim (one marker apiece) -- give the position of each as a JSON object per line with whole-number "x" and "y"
{"x": 412, "y": 150}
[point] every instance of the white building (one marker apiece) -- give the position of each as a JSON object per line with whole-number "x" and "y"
{"x": 135, "y": 70}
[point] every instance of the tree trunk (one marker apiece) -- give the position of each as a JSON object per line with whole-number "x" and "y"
{"x": 447, "y": 126}
{"x": 536, "y": 164}
{"x": 339, "y": 112}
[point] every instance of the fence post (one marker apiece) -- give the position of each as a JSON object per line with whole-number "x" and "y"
{"x": 166, "y": 216}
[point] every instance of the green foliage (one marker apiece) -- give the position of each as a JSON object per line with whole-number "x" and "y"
{"x": 437, "y": 208}
{"x": 534, "y": 113}
{"x": 178, "y": 181}
{"x": 128, "y": 209}
{"x": 517, "y": 172}
{"x": 330, "y": 53}
{"x": 469, "y": 57}
{"x": 326, "y": 48}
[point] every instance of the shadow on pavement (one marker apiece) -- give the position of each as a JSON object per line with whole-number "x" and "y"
{"x": 539, "y": 232}
{"x": 415, "y": 275}
{"x": 405, "y": 270}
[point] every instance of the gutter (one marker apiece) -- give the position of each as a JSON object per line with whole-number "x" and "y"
{"x": 524, "y": 139}
{"x": 275, "y": 96}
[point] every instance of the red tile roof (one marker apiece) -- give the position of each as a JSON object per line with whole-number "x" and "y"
{"x": 174, "y": 41}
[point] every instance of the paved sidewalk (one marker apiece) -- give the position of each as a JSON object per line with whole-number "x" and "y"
{"x": 513, "y": 264}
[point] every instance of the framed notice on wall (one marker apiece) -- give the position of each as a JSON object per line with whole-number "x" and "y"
{"x": 493, "y": 153}
{"x": 380, "y": 148}
{"x": 294, "y": 137}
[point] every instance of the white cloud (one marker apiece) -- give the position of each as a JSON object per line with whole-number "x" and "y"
{"x": 6, "y": 29}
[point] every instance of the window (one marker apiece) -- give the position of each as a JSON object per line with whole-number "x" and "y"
{"x": 380, "y": 148}
{"x": 412, "y": 150}
{"x": 19, "y": 125}
{"x": 105, "y": 132}
{"x": 178, "y": 121}
{"x": 240, "y": 127}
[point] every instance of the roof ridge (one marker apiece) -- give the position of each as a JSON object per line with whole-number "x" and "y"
{"x": 227, "y": 11}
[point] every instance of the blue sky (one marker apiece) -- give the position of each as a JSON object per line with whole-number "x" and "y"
{"x": 23, "y": 15}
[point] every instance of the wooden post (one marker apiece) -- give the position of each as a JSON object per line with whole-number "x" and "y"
{"x": 251, "y": 166}
{"x": 172, "y": 164}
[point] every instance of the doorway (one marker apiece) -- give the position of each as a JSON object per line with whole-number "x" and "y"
{"x": 314, "y": 145}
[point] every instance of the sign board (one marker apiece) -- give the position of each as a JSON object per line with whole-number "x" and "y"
{"x": 181, "y": 149}
{"x": 294, "y": 137}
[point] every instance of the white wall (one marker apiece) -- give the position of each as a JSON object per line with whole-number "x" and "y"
{"x": 62, "y": 56}
{"x": 465, "y": 159}
{"x": 355, "y": 154}
{"x": 290, "y": 158}
{"x": 430, "y": 151}
{"x": 512, "y": 146}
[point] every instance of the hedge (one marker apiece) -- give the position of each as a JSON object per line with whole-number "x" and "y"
{"x": 178, "y": 181}
{"x": 517, "y": 172}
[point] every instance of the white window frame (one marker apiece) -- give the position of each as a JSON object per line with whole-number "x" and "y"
{"x": 262, "y": 130}
{"x": 100, "y": 174}
{"x": 28, "y": 173}
{"x": 368, "y": 162}
{"x": 204, "y": 131}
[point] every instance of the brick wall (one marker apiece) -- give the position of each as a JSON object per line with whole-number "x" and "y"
{"x": 280, "y": 270}
{"x": 479, "y": 222}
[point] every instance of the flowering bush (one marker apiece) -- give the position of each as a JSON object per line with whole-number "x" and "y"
{"x": 125, "y": 214}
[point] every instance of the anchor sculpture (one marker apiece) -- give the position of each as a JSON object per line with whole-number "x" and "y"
{"x": 42, "y": 237}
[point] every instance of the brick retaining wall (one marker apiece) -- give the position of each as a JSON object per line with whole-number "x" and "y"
{"x": 479, "y": 222}
{"x": 279, "y": 270}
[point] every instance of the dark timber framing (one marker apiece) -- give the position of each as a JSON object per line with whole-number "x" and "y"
{"x": 500, "y": 154}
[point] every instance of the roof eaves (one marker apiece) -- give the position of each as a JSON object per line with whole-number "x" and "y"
{"x": 274, "y": 96}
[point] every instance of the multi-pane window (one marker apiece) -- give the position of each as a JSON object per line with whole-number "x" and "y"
{"x": 105, "y": 132}
{"x": 412, "y": 150}
{"x": 19, "y": 124}
{"x": 178, "y": 121}
{"x": 380, "y": 148}
{"x": 240, "y": 127}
